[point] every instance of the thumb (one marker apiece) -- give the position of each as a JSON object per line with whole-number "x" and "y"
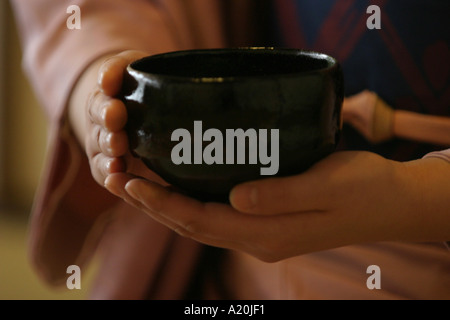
{"x": 111, "y": 72}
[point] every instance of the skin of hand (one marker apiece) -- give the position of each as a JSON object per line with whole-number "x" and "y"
{"x": 347, "y": 198}
{"x": 99, "y": 123}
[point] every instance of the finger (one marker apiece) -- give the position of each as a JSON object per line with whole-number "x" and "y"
{"x": 111, "y": 71}
{"x": 269, "y": 238}
{"x": 102, "y": 166}
{"x": 104, "y": 151}
{"x": 111, "y": 144}
{"x": 116, "y": 182}
{"x": 210, "y": 223}
{"x": 309, "y": 191}
{"x": 107, "y": 117}
{"x": 268, "y": 196}
{"x": 107, "y": 112}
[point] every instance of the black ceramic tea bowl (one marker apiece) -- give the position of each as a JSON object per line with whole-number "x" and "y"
{"x": 206, "y": 120}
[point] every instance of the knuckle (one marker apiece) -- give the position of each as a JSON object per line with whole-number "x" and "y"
{"x": 111, "y": 59}
{"x": 99, "y": 165}
{"x": 182, "y": 232}
{"x": 97, "y": 134}
{"x": 93, "y": 101}
{"x": 192, "y": 227}
{"x": 104, "y": 142}
{"x": 91, "y": 143}
{"x": 96, "y": 172}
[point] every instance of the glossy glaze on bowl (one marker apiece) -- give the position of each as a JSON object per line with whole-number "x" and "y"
{"x": 298, "y": 92}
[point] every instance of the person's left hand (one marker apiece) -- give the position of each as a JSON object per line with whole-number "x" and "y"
{"x": 349, "y": 197}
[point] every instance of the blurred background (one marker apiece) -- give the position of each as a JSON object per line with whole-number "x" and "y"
{"x": 22, "y": 151}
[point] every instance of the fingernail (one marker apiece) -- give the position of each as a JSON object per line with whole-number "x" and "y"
{"x": 131, "y": 189}
{"x": 103, "y": 114}
{"x": 100, "y": 77}
{"x": 244, "y": 198}
{"x": 111, "y": 187}
{"x": 147, "y": 193}
{"x": 108, "y": 166}
{"x": 108, "y": 141}
{"x": 252, "y": 197}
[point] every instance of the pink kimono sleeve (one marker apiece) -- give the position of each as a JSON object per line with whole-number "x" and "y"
{"x": 68, "y": 203}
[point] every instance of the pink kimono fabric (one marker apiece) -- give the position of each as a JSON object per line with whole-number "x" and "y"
{"x": 139, "y": 257}
{"x": 69, "y": 217}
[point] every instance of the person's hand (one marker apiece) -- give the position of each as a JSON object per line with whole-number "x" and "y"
{"x": 105, "y": 139}
{"x": 347, "y": 198}
{"x": 106, "y": 142}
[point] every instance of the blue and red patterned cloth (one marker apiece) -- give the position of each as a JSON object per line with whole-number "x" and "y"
{"x": 406, "y": 62}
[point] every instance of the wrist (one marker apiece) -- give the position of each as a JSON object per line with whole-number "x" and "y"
{"x": 424, "y": 200}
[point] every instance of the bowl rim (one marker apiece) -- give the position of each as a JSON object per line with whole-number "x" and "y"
{"x": 332, "y": 63}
